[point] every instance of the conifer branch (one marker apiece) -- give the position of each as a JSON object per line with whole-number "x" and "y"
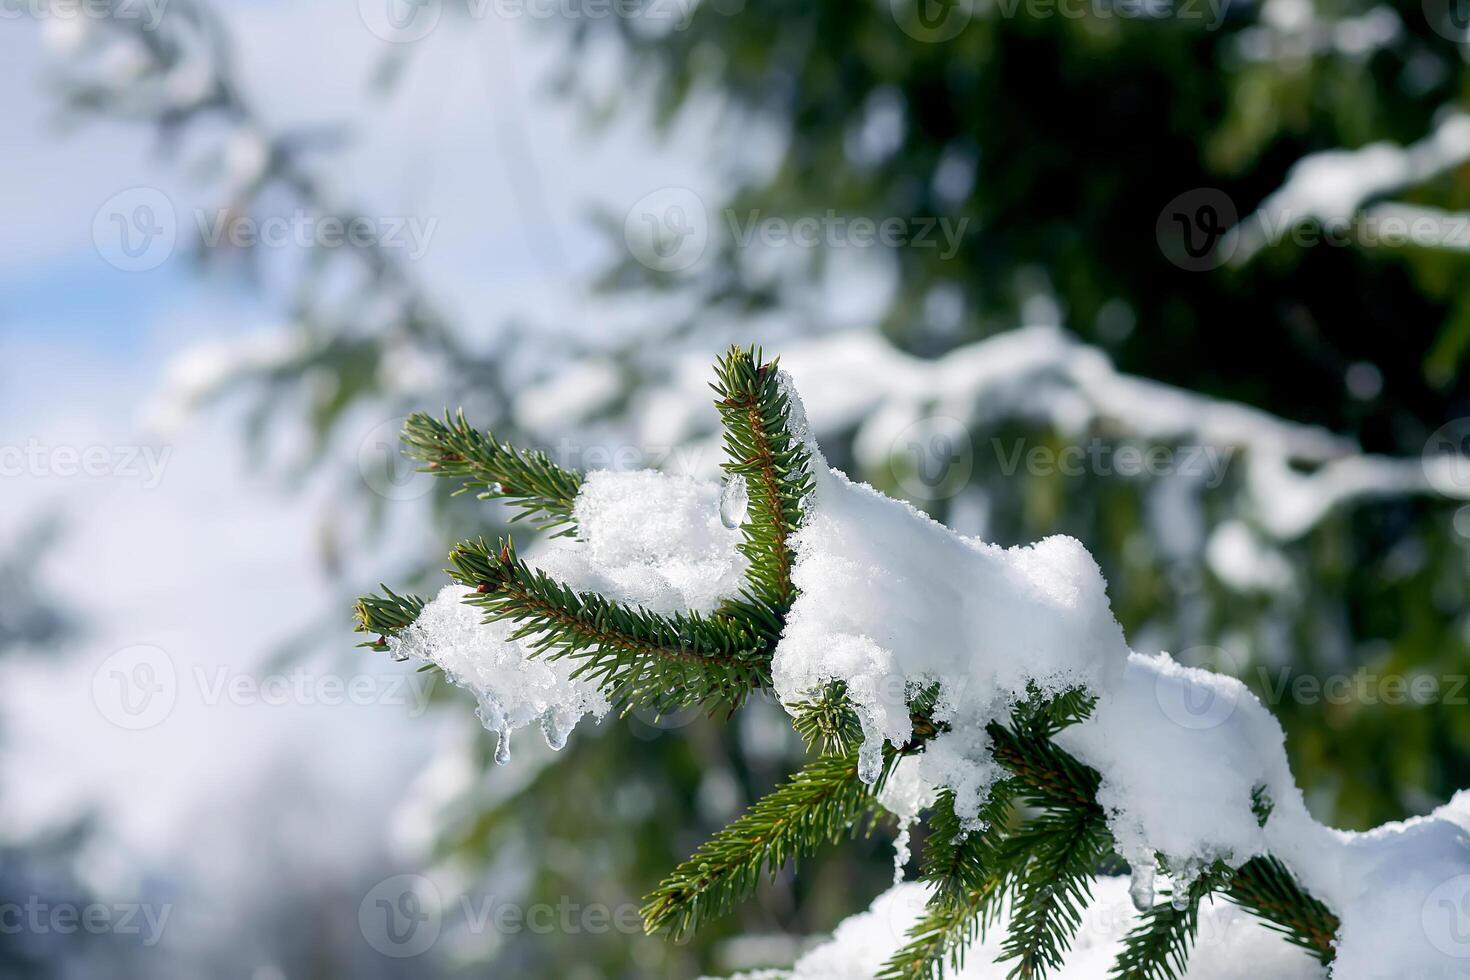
{"x": 1061, "y": 850}
{"x": 383, "y": 616}
{"x": 635, "y": 656}
{"x": 776, "y": 468}
{"x": 819, "y": 804}
{"x": 970, "y": 878}
{"x": 1158, "y": 947}
{"x": 542, "y": 491}
{"x": 1042, "y": 869}
{"x": 1265, "y": 887}
{"x": 827, "y": 724}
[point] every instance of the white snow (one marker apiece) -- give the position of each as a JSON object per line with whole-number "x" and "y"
{"x": 891, "y": 601}
{"x": 1292, "y": 475}
{"x": 644, "y": 538}
{"x": 1332, "y": 185}
{"x": 1230, "y": 944}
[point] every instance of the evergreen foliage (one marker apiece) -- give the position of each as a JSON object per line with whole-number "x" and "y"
{"x": 1041, "y": 837}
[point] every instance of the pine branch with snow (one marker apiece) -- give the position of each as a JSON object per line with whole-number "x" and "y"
{"x": 988, "y": 692}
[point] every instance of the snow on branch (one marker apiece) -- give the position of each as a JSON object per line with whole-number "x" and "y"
{"x": 1294, "y": 474}
{"x": 950, "y": 680}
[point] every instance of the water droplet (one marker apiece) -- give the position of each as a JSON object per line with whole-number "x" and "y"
{"x": 734, "y": 501}
{"x": 1141, "y": 886}
{"x": 870, "y": 760}
{"x": 397, "y": 655}
{"x": 556, "y": 727}
{"x": 502, "y": 748}
{"x": 1179, "y": 901}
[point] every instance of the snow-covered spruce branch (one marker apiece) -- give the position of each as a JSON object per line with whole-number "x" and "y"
{"x": 986, "y": 691}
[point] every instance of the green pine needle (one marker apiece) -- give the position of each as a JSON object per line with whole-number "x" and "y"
{"x": 638, "y": 658}
{"x": 383, "y": 616}
{"x": 820, "y": 804}
{"x": 542, "y": 491}
{"x": 1040, "y": 869}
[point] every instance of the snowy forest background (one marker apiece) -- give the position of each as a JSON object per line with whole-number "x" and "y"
{"x": 1159, "y": 234}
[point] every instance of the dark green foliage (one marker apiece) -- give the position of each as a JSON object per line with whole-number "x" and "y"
{"x": 1261, "y": 804}
{"x": 776, "y": 469}
{"x": 820, "y": 804}
{"x": 1265, "y": 887}
{"x": 1158, "y": 947}
{"x": 385, "y": 615}
{"x": 828, "y": 724}
{"x": 969, "y": 873}
{"x": 1040, "y": 837}
{"x": 1058, "y": 852}
{"x": 635, "y": 656}
{"x": 542, "y": 491}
